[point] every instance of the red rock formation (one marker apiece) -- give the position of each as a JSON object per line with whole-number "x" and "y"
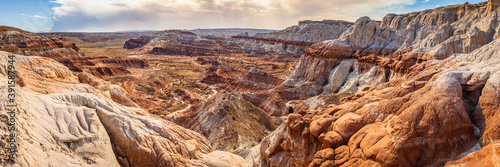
{"x": 128, "y": 63}
{"x": 176, "y": 42}
{"x": 196, "y": 49}
{"x": 487, "y": 156}
{"x": 31, "y": 44}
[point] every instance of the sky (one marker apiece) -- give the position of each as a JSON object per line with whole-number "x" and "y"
{"x": 126, "y": 15}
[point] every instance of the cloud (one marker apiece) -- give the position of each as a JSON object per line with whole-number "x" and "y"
{"x": 425, "y": 1}
{"x": 33, "y": 16}
{"x": 113, "y": 15}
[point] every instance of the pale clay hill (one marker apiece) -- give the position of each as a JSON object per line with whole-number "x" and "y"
{"x": 418, "y": 89}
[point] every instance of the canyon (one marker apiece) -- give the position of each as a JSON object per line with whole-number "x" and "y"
{"x": 415, "y": 89}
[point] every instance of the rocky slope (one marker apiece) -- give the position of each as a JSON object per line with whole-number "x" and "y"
{"x": 423, "y": 91}
{"x": 30, "y": 44}
{"x": 225, "y": 32}
{"x": 278, "y": 44}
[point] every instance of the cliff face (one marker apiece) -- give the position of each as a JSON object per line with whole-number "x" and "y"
{"x": 292, "y": 40}
{"x": 422, "y": 91}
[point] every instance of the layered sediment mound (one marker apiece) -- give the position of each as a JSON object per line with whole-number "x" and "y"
{"x": 106, "y": 66}
{"x": 424, "y": 93}
{"x": 294, "y": 39}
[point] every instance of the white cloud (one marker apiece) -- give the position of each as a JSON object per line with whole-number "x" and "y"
{"x": 425, "y": 1}
{"x": 114, "y": 15}
{"x": 33, "y": 16}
